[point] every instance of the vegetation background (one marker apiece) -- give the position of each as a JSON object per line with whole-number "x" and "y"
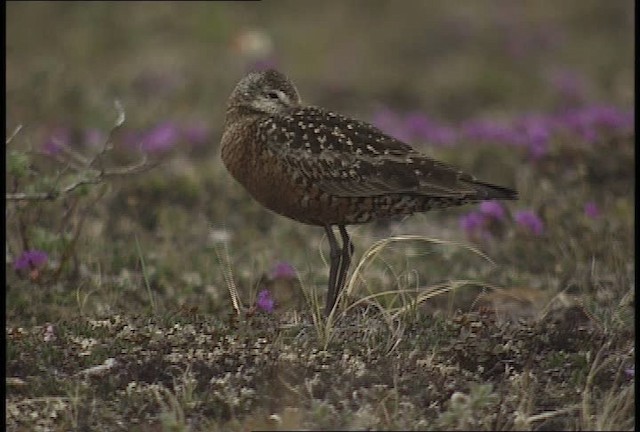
{"x": 119, "y": 274}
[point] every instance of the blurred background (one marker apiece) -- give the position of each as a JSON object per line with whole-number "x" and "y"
{"x": 525, "y": 94}
{"x": 181, "y": 60}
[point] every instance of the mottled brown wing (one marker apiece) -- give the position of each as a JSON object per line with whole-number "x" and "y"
{"x": 346, "y": 157}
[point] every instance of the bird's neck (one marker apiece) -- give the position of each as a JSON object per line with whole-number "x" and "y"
{"x": 235, "y": 114}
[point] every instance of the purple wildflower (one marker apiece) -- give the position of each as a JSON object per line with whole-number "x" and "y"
{"x": 51, "y": 147}
{"x": 538, "y": 138}
{"x": 488, "y": 130}
{"x": 592, "y": 210}
{"x": 473, "y": 222}
{"x": 161, "y": 138}
{"x": 492, "y": 209}
{"x": 265, "y": 301}
{"x": 586, "y": 121}
{"x": 606, "y": 116}
{"x": 440, "y": 135}
{"x": 58, "y": 138}
{"x": 574, "y": 119}
{"x": 536, "y": 133}
{"x": 30, "y": 260}
{"x": 417, "y": 124}
{"x": 530, "y": 221}
{"x": 283, "y": 270}
{"x": 414, "y": 126}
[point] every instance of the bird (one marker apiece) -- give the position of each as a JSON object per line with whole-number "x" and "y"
{"x": 322, "y": 168}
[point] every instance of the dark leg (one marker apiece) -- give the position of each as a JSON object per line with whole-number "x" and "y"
{"x": 336, "y": 258}
{"x": 347, "y": 252}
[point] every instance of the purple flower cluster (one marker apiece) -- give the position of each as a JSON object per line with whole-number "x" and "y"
{"x": 493, "y": 210}
{"x": 283, "y": 270}
{"x": 56, "y": 139}
{"x": 591, "y": 210}
{"x": 414, "y": 126}
{"x": 31, "y": 260}
{"x": 160, "y": 138}
{"x": 474, "y": 224}
{"x": 490, "y": 215}
{"x": 589, "y": 122}
{"x": 477, "y": 224}
{"x": 265, "y": 302}
{"x": 61, "y": 136}
{"x": 166, "y": 135}
{"x": 533, "y": 132}
{"x": 530, "y": 222}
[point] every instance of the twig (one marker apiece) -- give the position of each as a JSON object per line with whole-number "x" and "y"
{"x": 13, "y": 134}
{"x": 51, "y": 195}
{"x": 98, "y": 177}
{"x": 83, "y": 165}
{"x": 106, "y": 146}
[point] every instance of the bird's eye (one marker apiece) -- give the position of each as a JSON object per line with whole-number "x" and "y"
{"x": 272, "y": 95}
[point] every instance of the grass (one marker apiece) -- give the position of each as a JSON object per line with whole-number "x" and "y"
{"x": 144, "y": 318}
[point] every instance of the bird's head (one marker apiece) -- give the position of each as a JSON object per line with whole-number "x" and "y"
{"x": 266, "y": 92}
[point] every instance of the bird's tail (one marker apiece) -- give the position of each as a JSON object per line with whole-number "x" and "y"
{"x": 488, "y": 191}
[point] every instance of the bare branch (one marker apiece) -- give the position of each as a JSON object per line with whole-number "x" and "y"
{"x": 107, "y": 143}
{"x": 85, "y": 167}
{"x": 51, "y": 195}
{"x": 13, "y": 134}
{"x": 74, "y": 155}
{"x": 121, "y": 114}
{"x": 97, "y": 177}
{"x": 141, "y": 166}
